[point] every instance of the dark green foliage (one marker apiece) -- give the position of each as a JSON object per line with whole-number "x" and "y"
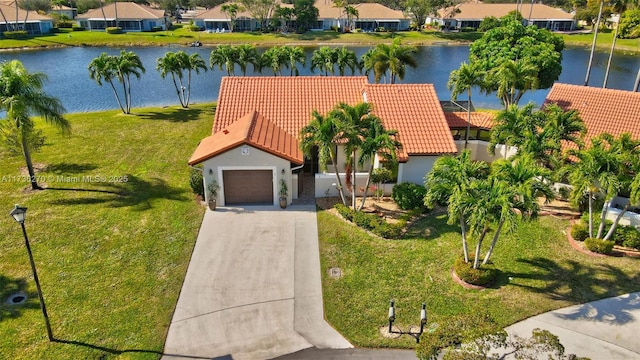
{"x": 306, "y": 14}
{"x": 627, "y": 236}
{"x": 489, "y": 23}
{"x": 10, "y": 138}
{"x": 599, "y": 246}
{"x": 630, "y": 24}
{"x": 409, "y": 196}
{"x": 78, "y": 28}
{"x": 372, "y": 222}
{"x": 20, "y": 34}
{"x": 481, "y": 276}
{"x": 114, "y": 30}
{"x": 196, "y": 182}
{"x": 579, "y": 231}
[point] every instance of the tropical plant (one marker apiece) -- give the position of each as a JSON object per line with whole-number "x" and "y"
{"x": 21, "y": 97}
{"x": 231, "y": 10}
{"x": 512, "y": 79}
{"x": 261, "y": 10}
{"x": 389, "y": 58}
{"x": 224, "y": 56}
{"x": 294, "y": 55}
{"x": 275, "y": 58}
{"x": 175, "y": 64}
{"x": 247, "y": 54}
{"x": 306, "y": 14}
{"x": 119, "y": 67}
{"x": 324, "y": 133}
{"x": 324, "y": 59}
{"x": 466, "y": 77}
{"x": 345, "y": 58}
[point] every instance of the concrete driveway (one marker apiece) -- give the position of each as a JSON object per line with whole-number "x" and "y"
{"x": 252, "y": 289}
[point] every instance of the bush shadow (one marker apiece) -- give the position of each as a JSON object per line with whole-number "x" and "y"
{"x": 574, "y": 281}
{"x": 136, "y": 193}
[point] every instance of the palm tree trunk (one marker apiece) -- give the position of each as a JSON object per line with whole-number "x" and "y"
{"x": 366, "y": 187}
{"x": 4, "y": 18}
{"x": 465, "y": 249}
{"x": 466, "y": 137}
{"x": 113, "y": 87}
{"x": 340, "y": 188}
{"x": 603, "y": 216}
{"x": 26, "y": 14}
{"x": 115, "y": 6}
{"x": 613, "y": 47}
{"x": 493, "y": 242}
{"x": 179, "y": 90}
{"x": 478, "y": 246}
{"x": 635, "y": 86}
{"x": 593, "y": 44}
{"x": 186, "y": 105}
{"x": 590, "y": 215}
{"x": 27, "y": 159}
{"x": 615, "y": 223}
{"x": 353, "y": 182}
{"x": 127, "y": 89}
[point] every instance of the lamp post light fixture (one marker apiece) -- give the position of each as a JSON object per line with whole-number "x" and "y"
{"x": 415, "y": 334}
{"x": 19, "y": 214}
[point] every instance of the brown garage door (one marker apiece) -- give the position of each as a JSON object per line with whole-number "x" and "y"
{"x": 248, "y": 187}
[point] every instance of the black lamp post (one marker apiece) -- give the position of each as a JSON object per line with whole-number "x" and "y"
{"x": 19, "y": 214}
{"x": 423, "y": 322}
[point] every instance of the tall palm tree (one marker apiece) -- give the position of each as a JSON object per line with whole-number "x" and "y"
{"x": 447, "y": 180}
{"x": 324, "y": 133}
{"x": 557, "y": 128}
{"x": 21, "y": 97}
{"x": 463, "y": 79}
{"x": 593, "y": 44}
{"x": 126, "y": 64}
{"x": 224, "y": 56}
{"x": 510, "y": 127}
{"x": 345, "y": 58}
{"x": 102, "y": 68}
{"x": 392, "y": 58}
{"x": 351, "y": 13}
{"x": 175, "y": 64}
{"x": 231, "y": 9}
{"x": 275, "y": 58}
{"x": 324, "y": 59}
{"x": 618, "y": 6}
{"x": 247, "y": 54}
{"x": 513, "y": 79}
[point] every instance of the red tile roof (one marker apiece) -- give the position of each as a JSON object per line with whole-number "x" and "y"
{"x": 479, "y": 120}
{"x": 602, "y": 110}
{"x": 252, "y": 129}
{"x": 415, "y": 112}
{"x": 287, "y": 101}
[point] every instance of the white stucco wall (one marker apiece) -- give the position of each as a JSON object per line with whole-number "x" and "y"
{"x": 415, "y": 169}
{"x": 253, "y": 159}
{"x": 480, "y": 152}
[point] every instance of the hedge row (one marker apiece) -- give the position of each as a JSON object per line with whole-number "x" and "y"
{"x": 372, "y": 222}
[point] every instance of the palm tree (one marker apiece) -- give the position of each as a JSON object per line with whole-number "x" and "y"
{"x": 557, "y": 128}
{"x": 323, "y": 132}
{"x": 447, "y": 180}
{"x": 345, "y": 58}
{"x": 510, "y": 127}
{"x": 513, "y": 79}
{"x": 175, "y": 64}
{"x": 21, "y": 97}
{"x": 103, "y": 68}
{"x": 465, "y": 78}
{"x": 294, "y": 55}
{"x": 275, "y": 58}
{"x": 224, "y": 56}
{"x": 324, "y": 59}
{"x": 127, "y": 64}
{"x": 351, "y": 13}
{"x": 618, "y": 6}
{"x": 247, "y": 54}
{"x": 392, "y": 58}
{"x": 231, "y": 9}
{"x": 593, "y": 44}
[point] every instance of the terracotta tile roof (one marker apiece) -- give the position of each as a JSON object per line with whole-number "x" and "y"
{"x": 474, "y": 10}
{"x": 9, "y": 12}
{"x": 415, "y": 112}
{"x": 126, "y": 10}
{"x": 366, "y": 11}
{"x": 252, "y": 129}
{"x": 479, "y": 120}
{"x": 216, "y": 13}
{"x": 602, "y": 110}
{"x": 287, "y": 101}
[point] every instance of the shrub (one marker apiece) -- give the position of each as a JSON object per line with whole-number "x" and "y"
{"x": 579, "y": 231}
{"x": 409, "y": 196}
{"x": 482, "y": 276}
{"x": 20, "y": 34}
{"x": 156, "y": 28}
{"x": 344, "y": 211}
{"x": 599, "y": 246}
{"x": 78, "y": 28}
{"x": 627, "y": 236}
{"x": 65, "y": 25}
{"x": 196, "y": 182}
{"x": 371, "y": 222}
{"x": 114, "y": 30}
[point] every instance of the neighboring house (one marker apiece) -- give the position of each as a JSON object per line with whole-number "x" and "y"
{"x": 127, "y": 15}
{"x": 70, "y": 13}
{"x": 603, "y": 111}
{"x": 371, "y": 16}
{"x": 254, "y": 142}
{"x": 469, "y": 15}
{"x": 35, "y": 23}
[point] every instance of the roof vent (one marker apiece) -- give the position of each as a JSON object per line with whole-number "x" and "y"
{"x": 225, "y": 131}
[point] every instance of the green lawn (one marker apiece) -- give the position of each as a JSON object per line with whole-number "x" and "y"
{"x": 540, "y": 271}
{"x": 111, "y": 256}
{"x": 182, "y": 36}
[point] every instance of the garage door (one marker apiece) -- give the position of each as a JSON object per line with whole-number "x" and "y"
{"x": 248, "y": 187}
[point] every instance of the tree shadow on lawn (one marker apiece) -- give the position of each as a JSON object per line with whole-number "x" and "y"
{"x": 120, "y": 352}
{"x": 577, "y": 282}
{"x": 70, "y": 168}
{"x": 135, "y": 192}
{"x": 8, "y": 287}
{"x": 177, "y": 114}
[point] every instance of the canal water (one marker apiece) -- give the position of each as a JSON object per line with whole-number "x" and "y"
{"x": 68, "y": 77}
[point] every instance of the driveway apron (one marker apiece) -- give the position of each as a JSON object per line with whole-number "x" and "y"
{"x": 252, "y": 289}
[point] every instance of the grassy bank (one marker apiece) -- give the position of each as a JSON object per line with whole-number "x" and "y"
{"x": 182, "y": 36}
{"x": 111, "y": 235}
{"x": 540, "y": 271}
